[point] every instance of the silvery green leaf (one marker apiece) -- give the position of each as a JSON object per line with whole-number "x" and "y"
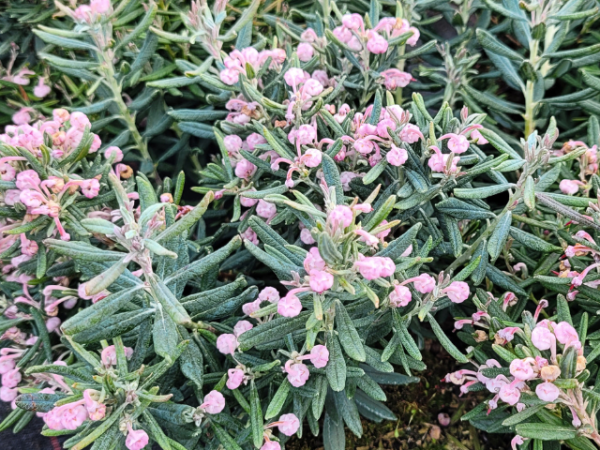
{"x": 499, "y": 235}
{"x": 482, "y": 192}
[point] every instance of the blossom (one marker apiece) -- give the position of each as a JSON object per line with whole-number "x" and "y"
{"x": 517, "y": 440}
{"x": 213, "y": 403}
{"x": 507, "y": 333}
{"x": 424, "y": 283}
{"x": 313, "y": 260}
{"x": 522, "y": 369}
{"x": 11, "y": 378}
{"x": 570, "y": 186}
{"x": 288, "y": 424}
{"x": 115, "y": 154}
{"x": 411, "y": 133}
{"x": 478, "y": 137}
{"x": 234, "y": 378}
{"x": 372, "y": 267}
{"x": 353, "y": 22}
{"x": 305, "y": 51}
{"x": 312, "y": 158}
{"x": 394, "y": 78}
{"x": 438, "y": 161}
{"x": 396, "y": 156}
{"x": 457, "y": 292}
{"x": 42, "y": 89}
{"x": 227, "y": 344}
{"x": 400, "y": 296}
{"x": 377, "y": 44}
{"x": 136, "y": 439}
{"x": 297, "y": 373}
{"x": 90, "y": 188}
{"x": 320, "y": 281}
{"x": 8, "y": 394}
{"x": 245, "y": 169}
{"x": 241, "y": 327}
{"x": 542, "y": 338}
{"x": 319, "y": 356}
{"x": 566, "y": 334}
{"x": 271, "y": 445}
{"x": 265, "y": 209}
{"x": 23, "y": 116}
{"x": 547, "y": 391}
{"x": 73, "y": 415}
{"x": 269, "y": 294}
{"x": 289, "y": 306}
{"x": 233, "y": 143}
{"x": 457, "y": 143}
{"x": 306, "y": 236}
{"x": 510, "y": 394}
{"x": 95, "y": 409}
{"x": 294, "y": 76}
{"x": 340, "y": 217}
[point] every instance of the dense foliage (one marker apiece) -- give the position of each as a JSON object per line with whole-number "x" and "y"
{"x": 226, "y": 224}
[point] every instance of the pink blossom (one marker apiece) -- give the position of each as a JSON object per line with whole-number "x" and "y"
{"x": 245, "y": 169}
{"x": 388, "y": 267}
{"x": 90, "y": 188}
{"x": 412, "y": 41}
{"x": 73, "y": 415}
{"x": 6, "y": 365}
{"x": 340, "y": 217}
{"x": 352, "y": 22}
{"x": 394, "y": 78}
{"x": 114, "y": 154}
{"x": 136, "y": 439}
{"x": 377, "y": 44}
{"x": 319, "y": 356}
{"x": 397, "y": 156}
{"x": 547, "y": 391}
{"x": 478, "y": 137}
{"x": 320, "y": 281}
{"x": 364, "y": 146}
{"x": 7, "y": 172}
{"x": 305, "y": 135}
{"x": 294, "y": 76}
{"x": 510, "y": 394}
{"x": 11, "y": 378}
{"x": 227, "y": 344}
{"x": 28, "y": 179}
{"x": 411, "y": 133}
{"x": 288, "y": 423}
{"x": 79, "y": 121}
{"x": 269, "y": 294}
{"x": 507, "y": 333}
{"x": 383, "y": 234}
{"x": 400, "y": 296}
{"x": 517, "y": 440}
{"x": 342, "y": 33}
{"x": 457, "y": 292}
{"x": 252, "y": 307}
{"x": 305, "y": 51}
{"x": 214, "y": 402}
{"x": 312, "y": 158}
{"x": 522, "y": 369}
{"x": 271, "y": 445}
{"x": 375, "y": 266}
{"x": 8, "y": 394}
{"x": 23, "y": 116}
{"x": 95, "y": 409}
{"x": 438, "y": 161}
{"x": 100, "y": 6}
{"x": 297, "y": 373}
{"x": 235, "y": 377}
{"x": 566, "y": 334}
{"x": 21, "y": 77}
{"x": 42, "y": 89}
{"x": 542, "y": 338}
{"x": 241, "y": 327}
{"x": 61, "y": 115}
{"x": 233, "y": 143}
{"x": 289, "y": 306}
{"x": 367, "y": 237}
{"x": 570, "y": 186}
{"x": 229, "y": 76}
{"x": 266, "y": 210}
{"x": 424, "y": 283}
{"x": 457, "y": 143}
{"x": 253, "y": 140}
{"x": 109, "y": 355}
{"x": 306, "y": 237}
{"x": 248, "y": 202}
{"x": 313, "y": 260}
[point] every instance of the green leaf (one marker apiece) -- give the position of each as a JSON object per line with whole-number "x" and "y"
{"x": 463, "y": 210}
{"x": 224, "y": 438}
{"x": 331, "y": 176}
{"x": 348, "y": 336}
{"x": 521, "y": 416}
{"x": 533, "y": 242}
{"x": 278, "y": 400}
{"x": 164, "y": 335}
{"x": 64, "y": 42}
{"x": 505, "y": 66}
{"x": 499, "y": 235}
{"x": 492, "y": 44}
{"x": 445, "y": 341}
{"x": 546, "y": 432}
{"x": 336, "y": 367}
{"x": 188, "y": 221}
{"x": 256, "y": 417}
{"x": 140, "y": 28}
{"x": 499, "y": 144}
{"x": 482, "y": 192}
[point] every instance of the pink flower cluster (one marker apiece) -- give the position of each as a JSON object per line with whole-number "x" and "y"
{"x": 227, "y": 343}
{"x": 93, "y": 12}
{"x": 235, "y": 64}
{"x": 72, "y": 415}
{"x": 287, "y": 424}
{"x": 298, "y": 373}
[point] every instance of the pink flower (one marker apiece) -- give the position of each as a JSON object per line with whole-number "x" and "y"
{"x": 214, "y": 402}
{"x": 388, "y": 267}
{"x": 227, "y": 344}
{"x": 79, "y": 121}
{"x": 271, "y": 445}
{"x": 510, "y": 394}
{"x": 313, "y": 260}
{"x": 570, "y": 187}
{"x": 11, "y": 378}
{"x": 229, "y": 76}
{"x": 457, "y": 143}
{"x": 410, "y": 133}
{"x": 507, "y": 333}
{"x": 248, "y": 202}
{"x": 245, "y": 169}
{"x": 521, "y": 369}
{"x": 363, "y": 146}
{"x": 566, "y": 334}
{"x": 352, "y": 22}
{"x": 517, "y": 440}
{"x": 113, "y": 153}
{"x": 306, "y": 237}
{"x": 266, "y": 210}
{"x": 400, "y": 296}
{"x": 53, "y": 419}
{"x": 424, "y": 283}
{"x": 22, "y": 116}
{"x": 319, "y": 356}
{"x": 367, "y": 237}
{"x": 269, "y": 294}
{"x": 312, "y": 157}
{"x": 305, "y": 51}
{"x": 289, "y": 306}
{"x": 233, "y": 143}
{"x": 235, "y": 377}
{"x": 294, "y": 76}
{"x": 252, "y": 307}
{"x": 7, "y": 172}
{"x": 412, "y": 41}
{"x": 6, "y": 365}
{"x": 297, "y": 373}
{"x": 109, "y": 355}
{"x": 288, "y": 424}
{"x": 90, "y": 188}
{"x": 396, "y": 156}
{"x": 542, "y": 338}
{"x": 8, "y": 394}
{"x": 320, "y": 281}
{"x": 136, "y": 439}
{"x": 304, "y": 135}
{"x": 73, "y": 415}
{"x": 312, "y": 88}
{"x": 61, "y": 115}
{"x": 241, "y": 327}
{"x": 340, "y": 217}
{"x": 457, "y": 292}
{"x": 394, "y": 78}
{"x": 100, "y": 6}
{"x": 375, "y": 267}
{"x": 478, "y": 137}
{"x": 438, "y": 161}
{"x": 21, "y": 76}
{"x": 95, "y": 409}
{"x": 377, "y": 44}
{"x": 41, "y": 90}
{"x": 547, "y": 391}
{"x": 28, "y": 179}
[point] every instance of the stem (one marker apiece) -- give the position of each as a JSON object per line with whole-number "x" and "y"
{"x": 530, "y": 104}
